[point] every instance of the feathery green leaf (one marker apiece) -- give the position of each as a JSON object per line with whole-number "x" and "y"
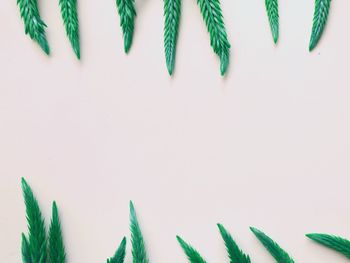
{"x": 57, "y": 252}
{"x": 337, "y": 243}
{"x": 127, "y": 13}
{"x": 212, "y": 15}
{"x": 172, "y": 13}
{"x": 275, "y": 250}
{"x": 319, "y": 22}
{"x": 36, "y": 226}
{"x": 69, "y": 15}
{"x": 26, "y": 255}
{"x": 236, "y": 255}
{"x": 34, "y": 26}
{"x": 272, "y": 12}
{"x": 138, "y": 245}
{"x": 119, "y": 256}
{"x": 192, "y": 254}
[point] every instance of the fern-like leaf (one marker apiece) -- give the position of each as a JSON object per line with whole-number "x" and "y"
{"x": 172, "y": 13}
{"x": 119, "y": 256}
{"x": 36, "y": 226}
{"x": 272, "y": 12}
{"x": 191, "y": 253}
{"x": 212, "y": 15}
{"x": 336, "y": 243}
{"x": 26, "y": 255}
{"x": 69, "y": 15}
{"x": 319, "y": 22}
{"x": 127, "y": 13}
{"x": 236, "y": 255}
{"x": 57, "y": 252}
{"x": 34, "y": 25}
{"x": 275, "y": 250}
{"x": 138, "y": 245}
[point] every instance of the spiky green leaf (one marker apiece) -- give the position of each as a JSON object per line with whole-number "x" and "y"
{"x": 191, "y": 253}
{"x": 272, "y": 13}
{"x": 212, "y": 15}
{"x": 127, "y": 13}
{"x": 34, "y": 25}
{"x": 275, "y": 250}
{"x": 36, "y": 226}
{"x": 236, "y": 255}
{"x": 319, "y": 22}
{"x": 336, "y": 243}
{"x": 26, "y": 255}
{"x": 57, "y": 253}
{"x": 69, "y": 15}
{"x": 172, "y": 13}
{"x": 138, "y": 245}
{"x": 119, "y": 256}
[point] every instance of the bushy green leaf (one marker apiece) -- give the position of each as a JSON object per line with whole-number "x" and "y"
{"x": 138, "y": 245}
{"x": 69, "y": 15}
{"x": 192, "y": 254}
{"x": 336, "y": 243}
{"x": 57, "y": 252}
{"x": 275, "y": 250}
{"x": 272, "y": 12}
{"x": 26, "y": 255}
{"x": 319, "y": 22}
{"x": 127, "y": 13}
{"x": 212, "y": 15}
{"x": 119, "y": 256}
{"x": 34, "y": 25}
{"x": 236, "y": 255}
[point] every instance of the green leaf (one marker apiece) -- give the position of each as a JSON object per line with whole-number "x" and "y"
{"x": 172, "y": 13}
{"x": 319, "y": 22}
{"x": 34, "y": 26}
{"x": 272, "y": 13}
{"x": 213, "y": 19}
{"x": 57, "y": 252}
{"x": 275, "y": 250}
{"x": 119, "y": 256}
{"x": 127, "y": 13}
{"x": 236, "y": 255}
{"x": 192, "y": 254}
{"x": 337, "y": 243}
{"x": 69, "y": 15}
{"x": 26, "y": 256}
{"x": 138, "y": 245}
{"x": 36, "y": 226}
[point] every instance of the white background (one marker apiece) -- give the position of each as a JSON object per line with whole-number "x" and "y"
{"x": 267, "y": 146}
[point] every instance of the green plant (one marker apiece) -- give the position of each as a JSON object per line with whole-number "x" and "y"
{"x": 275, "y": 250}
{"x": 272, "y": 13}
{"x": 69, "y": 15}
{"x": 319, "y": 22}
{"x": 192, "y": 254}
{"x": 119, "y": 256}
{"x": 34, "y": 25}
{"x": 212, "y": 15}
{"x": 127, "y": 13}
{"x": 172, "y": 13}
{"x": 336, "y": 243}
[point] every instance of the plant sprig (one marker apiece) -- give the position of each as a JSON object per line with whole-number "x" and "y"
{"x": 191, "y": 253}
{"x": 319, "y": 22}
{"x": 273, "y": 15}
{"x": 119, "y": 256}
{"x": 57, "y": 253}
{"x": 127, "y": 13}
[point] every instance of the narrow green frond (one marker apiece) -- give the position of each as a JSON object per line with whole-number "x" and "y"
{"x": 213, "y": 18}
{"x": 275, "y": 250}
{"x": 138, "y": 245}
{"x": 119, "y": 256}
{"x": 34, "y": 26}
{"x": 172, "y": 13}
{"x": 69, "y": 15}
{"x": 319, "y": 22}
{"x": 192, "y": 254}
{"x": 236, "y": 255}
{"x": 127, "y": 13}
{"x": 272, "y": 13}
{"x": 26, "y": 256}
{"x": 336, "y": 243}
{"x": 36, "y": 226}
{"x": 57, "y": 252}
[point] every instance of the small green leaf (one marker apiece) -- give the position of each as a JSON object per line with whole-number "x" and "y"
{"x": 26, "y": 255}
{"x": 127, "y": 13}
{"x": 336, "y": 243}
{"x": 236, "y": 255}
{"x": 119, "y": 256}
{"x": 319, "y": 22}
{"x": 272, "y": 13}
{"x": 138, "y": 245}
{"x": 192, "y": 254}
{"x": 275, "y": 250}
{"x": 57, "y": 252}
